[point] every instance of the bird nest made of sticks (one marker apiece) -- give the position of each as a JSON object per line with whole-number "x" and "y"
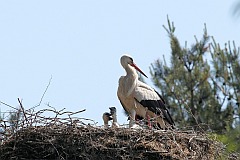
{"x": 67, "y": 138}
{"x": 86, "y": 142}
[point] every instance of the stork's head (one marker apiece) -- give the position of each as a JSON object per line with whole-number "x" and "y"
{"x": 127, "y": 60}
{"x": 106, "y": 117}
{"x": 113, "y": 110}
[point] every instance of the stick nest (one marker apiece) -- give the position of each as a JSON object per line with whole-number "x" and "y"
{"x": 86, "y": 142}
{"x": 38, "y": 137}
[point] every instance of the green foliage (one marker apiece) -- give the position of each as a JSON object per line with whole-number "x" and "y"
{"x": 230, "y": 139}
{"x": 226, "y": 78}
{"x": 14, "y": 119}
{"x": 191, "y": 88}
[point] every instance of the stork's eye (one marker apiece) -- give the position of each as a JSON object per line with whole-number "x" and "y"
{"x": 131, "y": 59}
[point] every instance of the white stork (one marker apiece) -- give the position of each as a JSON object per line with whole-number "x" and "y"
{"x": 139, "y": 99}
{"x": 106, "y": 118}
{"x": 113, "y": 112}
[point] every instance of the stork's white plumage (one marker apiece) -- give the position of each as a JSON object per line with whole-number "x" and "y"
{"x": 139, "y": 99}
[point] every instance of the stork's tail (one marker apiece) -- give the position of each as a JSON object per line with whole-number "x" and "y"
{"x": 162, "y": 124}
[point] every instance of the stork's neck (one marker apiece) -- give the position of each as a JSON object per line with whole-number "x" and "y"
{"x": 131, "y": 79}
{"x": 106, "y": 124}
{"x": 131, "y": 72}
{"x": 114, "y": 116}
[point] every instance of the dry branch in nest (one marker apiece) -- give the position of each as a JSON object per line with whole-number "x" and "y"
{"x": 39, "y": 137}
{"x": 86, "y": 142}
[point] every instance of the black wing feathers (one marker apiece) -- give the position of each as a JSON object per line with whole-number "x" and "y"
{"x": 158, "y": 107}
{"x": 127, "y": 114}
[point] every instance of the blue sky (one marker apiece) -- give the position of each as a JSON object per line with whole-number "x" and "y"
{"x": 79, "y": 44}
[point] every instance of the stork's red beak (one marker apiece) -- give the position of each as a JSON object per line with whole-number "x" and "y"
{"x": 138, "y": 69}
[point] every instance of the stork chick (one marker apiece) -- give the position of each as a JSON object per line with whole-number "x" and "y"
{"x": 106, "y": 118}
{"x": 113, "y": 112}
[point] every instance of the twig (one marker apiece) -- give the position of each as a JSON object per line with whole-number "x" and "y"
{"x": 22, "y": 110}
{"x": 49, "y": 82}
{"x": 157, "y": 152}
{"x": 8, "y": 105}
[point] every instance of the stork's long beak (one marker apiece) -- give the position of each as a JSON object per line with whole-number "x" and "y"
{"x": 138, "y": 69}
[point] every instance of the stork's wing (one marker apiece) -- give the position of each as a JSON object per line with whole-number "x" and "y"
{"x": 151, "y": 99}
{"x": 125, "y": 110}
{"x": 127, "y": 114}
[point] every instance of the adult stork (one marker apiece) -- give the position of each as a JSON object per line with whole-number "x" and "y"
{"x": 139, "y": 99}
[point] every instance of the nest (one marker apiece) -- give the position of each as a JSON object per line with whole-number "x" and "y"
{"x": 86, "y": 142}
{"x": 38, "y": 137}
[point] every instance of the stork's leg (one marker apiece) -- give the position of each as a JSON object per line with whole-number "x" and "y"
{"x": 132, "y": 118}
{"x": 149, "y": 122}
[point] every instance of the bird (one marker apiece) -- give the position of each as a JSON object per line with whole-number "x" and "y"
{"x": 106, "y": 118}
{"x": 140, "y": 100}
{"x": 113, "y": 112}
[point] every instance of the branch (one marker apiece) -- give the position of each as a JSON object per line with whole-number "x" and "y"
{"x": 22, "y": 110}
{"x": 8, "y": 105}
{"x": 43, "y": 94}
